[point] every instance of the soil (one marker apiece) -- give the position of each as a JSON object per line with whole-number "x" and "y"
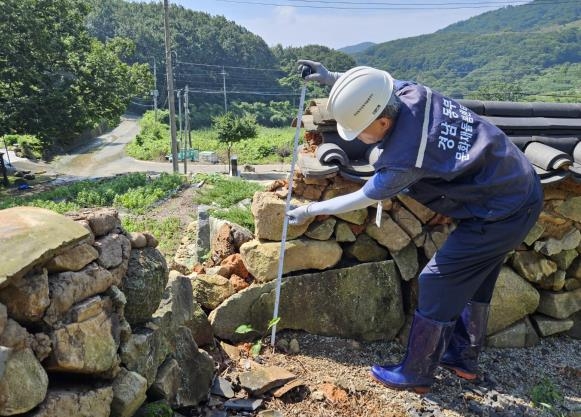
{"x": 335, "y": 373}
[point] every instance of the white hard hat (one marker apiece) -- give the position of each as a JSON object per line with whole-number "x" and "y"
{"x": 357, "y": 98}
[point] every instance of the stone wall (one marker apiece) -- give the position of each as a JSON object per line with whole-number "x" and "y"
{"x": 90, "y": 325}
{"x": 538, "y": 293}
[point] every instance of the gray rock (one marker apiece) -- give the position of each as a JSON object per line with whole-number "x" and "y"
{"x": 196, "y": 370}
{"x": 365, "y": 249}
{"x": 167, "y": 381}
{"x": 356, "y": 216}
{"x": 113, "y": 249}
{"x": 52, "y": 233}
{"x": 73, "y": 259}
{"x": 222, "y": 387}
{"x": 68, "y": 288}
{"x": 128, "y": 393}
{"x": 388, "y": 234}
{"x": 571, "y": 209}
{"x": 203, "y": 236}
{"x": 24, "y": 383}
{"x": 519, "y": 335}
{"x": 343, "y": 232}
{"x": 321, "y": 230}
{"x": 560, "y": 305}
{"x": 565, "y": 258}
{"x": 103, "y": 221}
{"x": 362, "y": 302}
{"x": 26, "y": 298}
{"x": 87, "y": 347}
{"x": 260, "y": 380}
{"x": 137, "y": 240}
{"x": 144, "y": 284}
{"x": 575, "y": 330}
{"x": 145, "y": 342}
{"x": 513, "y": 299}
{"x": 407, "y": 262}
{"x": 533, "y": 266}
{"x": 243, "y": 404}
{"x": 548, "y": 326}
{"x": 534, "y": 234}
{"x": 77, "y": 401}
{"x": 210, "y": 290}
{"x": 407, "y": 221}
{"x": 15, "y": 336}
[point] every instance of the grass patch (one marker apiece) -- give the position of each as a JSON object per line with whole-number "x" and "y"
{"x": 166, "y": 231}
{"x": 239, "y": 215}
{"x": 223, "y": 192}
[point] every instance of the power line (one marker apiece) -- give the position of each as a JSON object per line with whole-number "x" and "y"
{"x": 399, "y": 6}
{"x": 233, "y": 67}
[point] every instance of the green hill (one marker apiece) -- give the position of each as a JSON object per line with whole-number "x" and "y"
{"x": 494, "y": 55}
{"x": 353, "y": 49}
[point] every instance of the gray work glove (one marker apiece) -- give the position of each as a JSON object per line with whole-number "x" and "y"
{"x": 298, "y": 215}
{"x": 320, "y": 73}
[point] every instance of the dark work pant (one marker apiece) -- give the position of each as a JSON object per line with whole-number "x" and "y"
{"x": 466, "y": 267}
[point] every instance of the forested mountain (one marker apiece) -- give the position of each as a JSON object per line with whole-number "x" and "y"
{"x": 208, "y": 52}
{"x": 353, "y": 49}
{"x": 539, "y": 15}
{"x": 528, "y": 52}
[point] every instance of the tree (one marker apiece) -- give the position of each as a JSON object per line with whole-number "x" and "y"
{"x": 232, "y": 129}
{"x": 55, "y": 79}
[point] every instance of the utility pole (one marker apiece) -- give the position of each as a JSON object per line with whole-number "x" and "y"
{"x": 225, "y": 101}
{"x": 181, "y": 135}
{"x": 170, "y": 90}
{"x": 187, "y": 127}
{"x": 155, "y": 92}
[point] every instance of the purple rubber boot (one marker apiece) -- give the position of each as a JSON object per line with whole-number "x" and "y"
{"x": 467, "y": 341}
{"x": 426, "y": 344}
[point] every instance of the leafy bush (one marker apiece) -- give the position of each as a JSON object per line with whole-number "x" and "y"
{"x": 31, "y": 146}
{"x": 153, "y": 141}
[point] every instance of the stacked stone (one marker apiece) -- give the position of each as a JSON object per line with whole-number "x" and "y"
{"x": 538, "y": 291}
{"x": 89, "y": 324}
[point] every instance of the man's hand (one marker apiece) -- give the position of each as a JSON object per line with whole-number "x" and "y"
{"x": 320, "y": 73}
{"x": 298, "y": 215}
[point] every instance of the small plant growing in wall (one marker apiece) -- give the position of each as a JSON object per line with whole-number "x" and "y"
{"x": 247, "y": 328}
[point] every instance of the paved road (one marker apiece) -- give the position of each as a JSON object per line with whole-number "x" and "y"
{"x": 105, "y": 156}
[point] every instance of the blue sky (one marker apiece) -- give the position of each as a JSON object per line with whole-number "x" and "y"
{"x": 300, "y": 22}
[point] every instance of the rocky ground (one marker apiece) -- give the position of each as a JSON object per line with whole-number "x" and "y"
{"x": 334, "y": 375}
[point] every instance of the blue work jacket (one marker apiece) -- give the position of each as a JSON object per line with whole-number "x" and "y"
{"x": 469, "y": 167}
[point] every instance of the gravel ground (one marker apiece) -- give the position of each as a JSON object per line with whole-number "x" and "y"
{"x": 337, "y": 383}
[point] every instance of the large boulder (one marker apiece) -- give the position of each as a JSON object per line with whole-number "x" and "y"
{"x": 129, "y": 390}
{"x": 144, "y": 283}
{"x": 261, "y": 257}
{"x": 388, "y": 234}
{"x": 362, "y": 302}
{"x": 560, "y": 305}
{"x": 513, "y": 299}
{"x": 31, "y": 236}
